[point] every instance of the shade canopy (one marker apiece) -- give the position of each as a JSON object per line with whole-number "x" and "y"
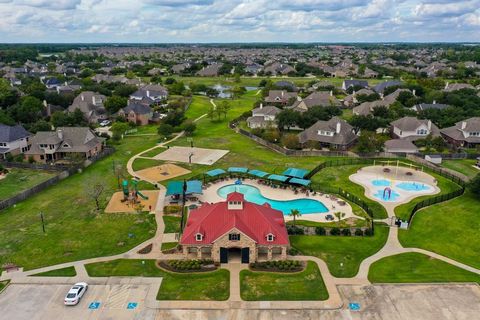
{"x": 303, "y": 182}
{"x": 258, "y": 173}
{"x": 295, "y": 172}
{"x": 278, "y": 177}
{"x": 215, "y": 172}
{"x": 176, "y": 187}
{"x": 237, "y": 169}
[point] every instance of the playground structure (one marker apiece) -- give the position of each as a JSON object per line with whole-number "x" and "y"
{"x": 131, "y": 194}
{"x": 387, "y": 191}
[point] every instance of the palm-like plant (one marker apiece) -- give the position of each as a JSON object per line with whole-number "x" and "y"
{"x": 294, "y": 213}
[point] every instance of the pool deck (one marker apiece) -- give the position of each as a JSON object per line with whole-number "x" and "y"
{"x": 366, "y": 175}
{"x": 210, "y": 195}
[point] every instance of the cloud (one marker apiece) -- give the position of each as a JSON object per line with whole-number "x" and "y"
{"x": 179, "y": 3}
{"x": 51, "y": 4}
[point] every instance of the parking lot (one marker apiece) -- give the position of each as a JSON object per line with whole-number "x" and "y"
{"x": 399, "y": 302}
{"x": 45, "y": 301}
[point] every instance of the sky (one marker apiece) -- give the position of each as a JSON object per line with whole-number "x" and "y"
{"x": 195, "y": 21}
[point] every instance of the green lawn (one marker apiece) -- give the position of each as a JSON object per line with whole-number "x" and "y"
{"x": 270, "y": 286}
{"x": 18, "y": 180}
{"x": 464, "y": 166}
{"x": 64, "y": 272}
{"x": 153, "y": 153}
{"x": 140, "y": 163}
{"x": 417, "y": 268}
{"x": 3, "y": 284}
{"x": 338, "y": 177}
{"x": 337, "y": 250}
{"x": 172, "y": 224}
{"x": 175, "y": 286}
{"x": 450, "y": 229}
{"x": 446, "y": 186}
{"x": 168, "y": 245}
{"x": 73, "y": 230}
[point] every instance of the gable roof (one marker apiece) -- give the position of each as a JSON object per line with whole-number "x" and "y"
{"x": 12, "y": 133}
{"x": 382, "y": 86}
{"x": 253, "y": 220}
{"x": 344, "y": 137}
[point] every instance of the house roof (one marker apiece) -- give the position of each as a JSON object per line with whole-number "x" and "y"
{"x": 344, "y": 137}
{"x": 353, "y": 82}
{"x": 409, "y": 123}
{"x": 12, "y": 133}
{"x": 400, "y": 145}
{"x": 456, "y": 132}
{"x": 266, "y": 110}
{"x": 253, "y": 220}
{"x": 426, "y": 106}
{"x": 321, "y": 98}
{"x": 137, "y": 108}
{"x": 382, "y": 86}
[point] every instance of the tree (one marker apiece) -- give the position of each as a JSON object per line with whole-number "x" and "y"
{"x": 94, "y": 189}
{"x": 290, "y": 141}
{"x": 339, "y": 216}
{"x": 40, "y": 125}
{"x": 115, "y": 103}
{"x": 223, "y": 108}
{"x": 165, "y": 130}
{"x": 475, "y": 185}
{"x": 368, "y": 141}
{"x": 28, "y": 111}
{"x": 189, "y": 127}
{"x": 118, "y": 129}
{"x": 287, "y": 118}
{"x": 294, "y": 213}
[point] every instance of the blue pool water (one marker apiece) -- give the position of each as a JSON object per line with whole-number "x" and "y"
{"x": 381, "y": 183}
{"x": 380, "y": 195}
{"x": 254, "y": 195}
{"x": 413, "y": 186}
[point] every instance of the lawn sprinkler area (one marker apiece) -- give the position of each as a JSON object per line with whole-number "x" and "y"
{"x": 191, "y": 155}
{"x": 395, "y": 184}
{"x": 315, "y": 207}
{"x": 162, "y": 172}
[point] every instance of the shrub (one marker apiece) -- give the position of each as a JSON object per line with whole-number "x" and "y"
{"x": 369, "y": 232}
{"x": 359, "y": 232}
{"x": 335, "y": 232}
{"x": 346, "y": 232}
{"x": 295, "y": 230}
{"x": 320, "y": 231}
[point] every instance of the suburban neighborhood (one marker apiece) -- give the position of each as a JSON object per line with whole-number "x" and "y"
{"x": 240, "y": 180}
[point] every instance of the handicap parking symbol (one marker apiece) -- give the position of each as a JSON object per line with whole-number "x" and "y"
{"x": 132, "y": 305}
{"x": 94, "y": 305}
{"x": 354, "y": 306}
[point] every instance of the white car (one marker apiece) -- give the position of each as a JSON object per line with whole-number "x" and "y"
{"x": 105, "y": 123}
{"x": 75, "y": 293}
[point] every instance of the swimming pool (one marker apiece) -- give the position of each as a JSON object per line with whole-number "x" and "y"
{"x": 253, "y": 194}
{"x": 381, "y": 183}
{"x": 413, "y": 186}
{"x": 385, "y": 196}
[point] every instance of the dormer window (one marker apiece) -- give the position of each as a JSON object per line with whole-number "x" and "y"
{"x": 270, "y": 237}
{"x": 65, "y": 145}
{"x": 199, "y": 237}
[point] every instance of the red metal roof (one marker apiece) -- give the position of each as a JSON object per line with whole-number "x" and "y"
{"x": 255, "y": 221}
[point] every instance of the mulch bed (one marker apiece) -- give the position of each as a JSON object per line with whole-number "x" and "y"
{"x": 205, "y": 268}
{"x": 146, "y": 249}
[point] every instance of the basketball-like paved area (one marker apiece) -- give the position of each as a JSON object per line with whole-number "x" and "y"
{"x": 198, "y": 155}
{"x": 399, "y": 302}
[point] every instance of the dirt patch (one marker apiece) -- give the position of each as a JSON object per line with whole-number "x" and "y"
{"x": 115, "y": 205}
{"x": 162, "y": 172}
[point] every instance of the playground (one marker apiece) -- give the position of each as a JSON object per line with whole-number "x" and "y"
{"x": 163, "y": 172}
{"x": 130, "y": 199}
{"x": 395, "y": 184}
{"x": 191, "y": 155}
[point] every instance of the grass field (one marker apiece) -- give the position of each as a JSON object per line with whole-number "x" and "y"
{"x": 270, "y": 286}
{"x": 175, "y": 286}
{"x": 172, "y": 224}
{"x": 343, "y": 255}
{"x": 3, "y": 284}
{"x": 450, "y": 229}
{"x": 168, "y": 245}
{"x": 338, "y": 177}
{"x": 417, "y": 268}
{"x": 18, "y": 180}
{"x": 73, "y": 230}
{"x": 64, "y": 272}
{"x": 464, "y": 166}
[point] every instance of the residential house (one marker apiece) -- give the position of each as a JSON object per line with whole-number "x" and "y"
{"x": 320, "y": 98}
{"x": 137, "y": 113}
{"x": 367, "y": 108}
{"x": 278, "y": 68}
{"x": 428, "y": 106}
{"x": 379, "y": 88}
{"x": 91, "y": 105}
{"x": 354, "y": 83}
{"x": 400, "y": 146}
{"x": 211, "y": 70}
{"x": 253, "y": 68}
{"x": 64, "y": 144}
{"x": 221, "y": 230}
{"x": 13, "y": 140}
{"x": 464, "y": 133}
{"x": 450, "y": 87}
{"x": 150, "y": 94}
{"x": 52, "y": 83}
{"x": 412, "y": 129}
{"x": 179, "y": 68}
{"x": 263, "y": 117}
{"x": 335, "y": 133}
{"x": 280, "y": 96}
{"x": 351, "y": 99}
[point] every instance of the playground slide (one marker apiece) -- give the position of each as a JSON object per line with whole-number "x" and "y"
{"x": 142, "y": 195}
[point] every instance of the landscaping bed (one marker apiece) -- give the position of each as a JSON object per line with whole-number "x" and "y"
{"x": 278, "y": 266}
{"x": 415, "y": 267}
{"x": 270, "y": 286}
{"x": 188, "y": 265}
